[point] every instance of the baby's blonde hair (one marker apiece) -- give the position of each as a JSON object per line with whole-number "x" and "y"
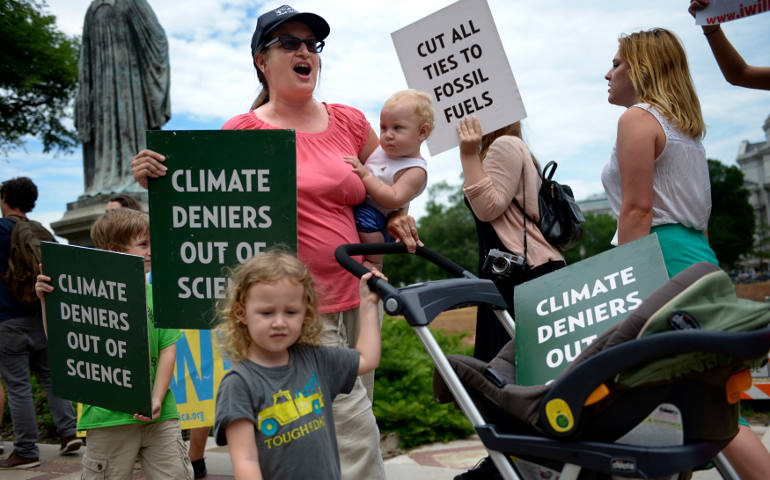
{"x": 422, "y": 106}
{"x": 269, "y": 267}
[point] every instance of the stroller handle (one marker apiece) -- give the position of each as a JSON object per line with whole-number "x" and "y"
{"x": 392, "y": 298}
{"x": 343, "y": 255}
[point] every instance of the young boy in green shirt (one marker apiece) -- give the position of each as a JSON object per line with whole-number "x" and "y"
{"x": 117, "y": 439}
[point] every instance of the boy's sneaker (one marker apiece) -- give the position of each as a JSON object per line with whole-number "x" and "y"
{"x": 199, "y": 468}
{"x": 70, "y": 445}
{"x": 16, "y": 462}
{"x": 484, "y": 470}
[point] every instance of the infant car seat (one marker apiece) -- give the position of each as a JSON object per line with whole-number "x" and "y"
{"x": 689, "y": 345}
{"x": 683, "y": 353}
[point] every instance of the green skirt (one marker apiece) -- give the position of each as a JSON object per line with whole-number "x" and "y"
{"x": 682, "y": 247}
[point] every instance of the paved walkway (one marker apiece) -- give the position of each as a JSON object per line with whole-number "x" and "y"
{"x": 430, "y": 462}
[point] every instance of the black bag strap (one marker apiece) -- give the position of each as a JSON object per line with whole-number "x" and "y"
{"x": 547, "y": 175}
{"x": 541, "y": 174}
{"x": 526, "y": 215}
{"x": 524, "y": 212}
{"x": 524, "y": 183}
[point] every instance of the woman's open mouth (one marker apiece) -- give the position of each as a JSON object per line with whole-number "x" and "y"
{"x": 302, "y": 69}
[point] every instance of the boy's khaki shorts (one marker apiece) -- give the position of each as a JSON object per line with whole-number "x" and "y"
{"x": 113, "y": 451}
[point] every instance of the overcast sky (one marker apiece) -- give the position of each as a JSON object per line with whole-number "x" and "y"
{"x": 559, "y": 52}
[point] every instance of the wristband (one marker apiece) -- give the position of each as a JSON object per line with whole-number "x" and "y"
{"x": 711, "y": 31}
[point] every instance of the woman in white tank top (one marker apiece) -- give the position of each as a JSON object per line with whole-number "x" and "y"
{"x": 657, "y": 176}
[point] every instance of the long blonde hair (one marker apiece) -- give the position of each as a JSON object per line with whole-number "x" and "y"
{"x": 269, "y": 267}
{"x": 661, "y": 77}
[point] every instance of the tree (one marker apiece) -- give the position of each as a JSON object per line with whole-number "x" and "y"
{"x": 38, "y": 79}
{"x": 597, "y": 234}
{"x": 732, "y": 223}
{"x": 447, "y": 228}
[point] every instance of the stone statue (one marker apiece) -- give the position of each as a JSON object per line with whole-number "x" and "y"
{"x": 124, "y": 90}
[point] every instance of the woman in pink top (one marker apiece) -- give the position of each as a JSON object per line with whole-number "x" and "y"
{"x": 285, "y": 49}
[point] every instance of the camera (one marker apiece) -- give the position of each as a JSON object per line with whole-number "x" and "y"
{"x": 502, "y": 263}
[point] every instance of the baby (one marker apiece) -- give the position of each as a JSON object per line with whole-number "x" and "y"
{"x": 394, "y": 173}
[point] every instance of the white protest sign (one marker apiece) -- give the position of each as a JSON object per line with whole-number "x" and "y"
{"x": 456, "y": 56}
{"x": 721, "y": 11}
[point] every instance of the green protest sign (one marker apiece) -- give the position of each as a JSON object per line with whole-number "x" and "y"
{"x": 227, "y": 195}
{"x": 97, "y": 328}
{"x": 559, "y": 314}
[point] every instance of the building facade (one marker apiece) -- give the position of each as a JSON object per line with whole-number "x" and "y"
{"x": 754, "y": 161}
{"x": 596, "y": 204}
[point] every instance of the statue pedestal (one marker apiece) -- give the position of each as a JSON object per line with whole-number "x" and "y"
{"x": 76, "y": 223}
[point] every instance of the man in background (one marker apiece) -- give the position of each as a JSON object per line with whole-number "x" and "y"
{"x": 23, "y": 345}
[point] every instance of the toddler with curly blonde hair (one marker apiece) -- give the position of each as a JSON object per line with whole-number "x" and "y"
{"x": 276, "y": 401}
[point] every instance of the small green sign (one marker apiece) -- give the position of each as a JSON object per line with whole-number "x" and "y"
{"x": 227, "y": 195}
{"x": 559, "y": 314}
{"x": 97, "y": 328}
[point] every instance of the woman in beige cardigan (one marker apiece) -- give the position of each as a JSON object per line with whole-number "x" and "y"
{"x": 498, "y": 168}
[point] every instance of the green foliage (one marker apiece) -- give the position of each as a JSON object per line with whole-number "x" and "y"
{"x": 750, "y": 408}
{"x": 5, "y": 420}
{"x": 447, "y": 228}
{"x": 732, "y": 223}
{"x": 45, "y": 424}
{"x": 404, "y": 388}
{"x": 597, "y": 234}
{"x": 38, "y": 78}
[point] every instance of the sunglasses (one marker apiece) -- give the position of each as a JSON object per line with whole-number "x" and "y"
{"x": 289, "y": 42}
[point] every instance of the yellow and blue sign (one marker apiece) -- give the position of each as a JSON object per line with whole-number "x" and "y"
{"x": 199, "y": 369}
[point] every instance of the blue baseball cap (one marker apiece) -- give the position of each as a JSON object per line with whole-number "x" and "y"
{"x": 269, "y": 21}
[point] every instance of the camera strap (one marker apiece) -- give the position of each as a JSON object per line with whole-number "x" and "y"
{"x": 524, "y": 187}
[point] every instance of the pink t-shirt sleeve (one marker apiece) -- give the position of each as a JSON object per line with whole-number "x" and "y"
{"x": 244, "y": 121}
{"x": 354, "y": 121}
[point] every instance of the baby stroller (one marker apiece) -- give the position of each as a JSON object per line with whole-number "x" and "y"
{"x": 686, "y": 349}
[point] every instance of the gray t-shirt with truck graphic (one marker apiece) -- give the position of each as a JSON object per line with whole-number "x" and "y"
{"x": 291, "y": 409}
